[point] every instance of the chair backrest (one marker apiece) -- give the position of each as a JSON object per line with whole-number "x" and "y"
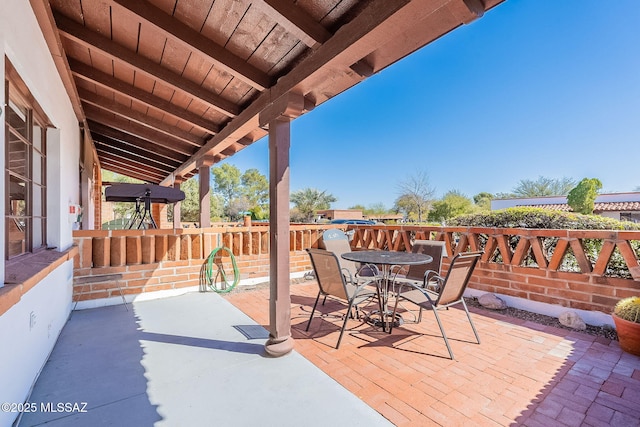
{"x": 336, "y": 241}
{"x": 458, "y": 277}
{"x": 328, "y": 273}
{"x": 434, "y": 248}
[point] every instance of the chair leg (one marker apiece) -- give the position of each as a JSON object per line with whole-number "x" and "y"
{"x": 471, "y": 321}
{"x": 344, "y": 324}
{"x": 313, "y": 311}
{"x": 444, "y": 335}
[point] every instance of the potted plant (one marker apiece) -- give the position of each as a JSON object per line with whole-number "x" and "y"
{"x": 626, "y": 316}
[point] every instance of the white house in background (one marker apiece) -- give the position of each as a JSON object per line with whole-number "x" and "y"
{"x": 622, "y": 206}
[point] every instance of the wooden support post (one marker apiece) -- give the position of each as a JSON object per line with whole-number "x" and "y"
{"x": 204, "y": 167}
{"x": 279, "y": 116}
{"x": 177, "y": 220}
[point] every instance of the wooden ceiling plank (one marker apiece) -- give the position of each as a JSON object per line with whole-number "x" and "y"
{"x": 192, "y": 39}
{"x": 134, "y": 157}
{"x": 140, "y": 151}
{"x": 127, "y": 139}
{"x": 84, "y": 71}
{"x": 122, "y": 170}
{"x": 296, "y": 21}
{"x": 376, "y": 12}
{"x": 129, "y": 168}
{"x": 137, "y": 130}
{"x": 126, "y": 31}
{"x": 96, "y": 42}
{"x": 137, "y": 117}
{"x": 125, "y": 161}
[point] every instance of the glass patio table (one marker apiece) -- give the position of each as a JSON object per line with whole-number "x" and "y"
{"x": 385, "y": 260}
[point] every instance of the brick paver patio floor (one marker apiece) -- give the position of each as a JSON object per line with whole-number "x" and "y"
{"x": 522, "y": 373}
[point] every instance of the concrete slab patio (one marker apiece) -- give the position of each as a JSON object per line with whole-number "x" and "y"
{"x": 191, "y": 360}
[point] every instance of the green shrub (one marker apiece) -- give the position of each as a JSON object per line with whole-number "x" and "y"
{"x": 540, "y": 218}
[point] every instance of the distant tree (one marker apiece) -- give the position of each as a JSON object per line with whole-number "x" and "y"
{"x": 309, "y": 200}
{"x": 255, "y": 188}
{"x": 121, "y": 210}
{"x": 543, "y": 187}
{"x": 358, "y": 208}
{"x": 190, "y": 206}
{"x": 226, "y": 180}
{"x": 483, "y": 201}
{"x": 583, "y": 196}
{"x": 405, "y": 205}
{"x": 452, "y": 204}
{"x": 416, "y": 194}
{"x": 376, "y": 209}
{"x": 373, "y": 209}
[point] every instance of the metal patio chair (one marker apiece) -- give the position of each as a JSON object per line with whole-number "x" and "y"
{"x": 337, "y": 241}
{"x": 419, "y": 274}
{"x": 335, "y": 282}
{"x": 450, "y": 291}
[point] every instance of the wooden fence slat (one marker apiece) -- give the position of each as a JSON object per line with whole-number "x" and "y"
{"x": 604, "y": 256}
{"x": 581, "y": 257}
{"x": 503, "y": 246}
{"x": 521, "y": 251}
{"x": 629, "y": 257}
{"x": 538, "y": 252}
{"x": 558, "y": 254}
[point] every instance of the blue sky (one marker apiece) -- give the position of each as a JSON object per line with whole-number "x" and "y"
{"x": 534, "y": 88}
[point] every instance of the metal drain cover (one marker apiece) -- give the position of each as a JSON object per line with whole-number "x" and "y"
{"x": 253, "y": 332}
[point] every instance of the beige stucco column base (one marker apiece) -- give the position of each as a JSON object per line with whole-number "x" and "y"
{"x": 277, "y": 347}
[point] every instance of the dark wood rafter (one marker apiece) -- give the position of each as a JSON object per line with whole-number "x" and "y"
{"x": 128, "y": 151}
{"x": 89, "y": 39}
{"x": 137, "y": 131}
{"x": 108, "y": 82}
{"x": 119, "y": 139}
{"x": 138, "y": 117}
{"x": 297, "y": 22}
{"x": 193, "y": 40}
{"x": 134, "y": 141}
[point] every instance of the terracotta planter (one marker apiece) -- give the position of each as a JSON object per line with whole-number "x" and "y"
{"x": 628, "y": 335}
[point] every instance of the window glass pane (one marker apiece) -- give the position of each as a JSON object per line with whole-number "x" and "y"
{"x": 17, "y": 118}
{"x": 38, "y": 232}
{"x": 17, "y": 237}
{"x": 18, "y": 150}
{"x": 37, "y": 167}
{"x": 17, "y": 197}
{"x": 37, "y": 136}
{"x": 37, "y": 201}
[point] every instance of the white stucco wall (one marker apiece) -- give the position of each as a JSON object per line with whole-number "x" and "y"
{"x": 29, "y": 329}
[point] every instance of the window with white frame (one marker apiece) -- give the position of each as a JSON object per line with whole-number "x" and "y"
{"x": 25, "y": 169}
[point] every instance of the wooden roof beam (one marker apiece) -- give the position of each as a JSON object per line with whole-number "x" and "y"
{"x": 296, "y": 21}
{"x": 136, "y": 130}
{"x": 89, "y": 39}
{"x": 104, "y": 148}
{"x": 123, "y": 170}
{"x": 147, "y": 173}
{"x": 134, "y": 150}
{"x": 193, "y": 40}
{"x": 108, "y": 132}
{"x": 138, "y": 117}
{"x": 341, "y": 44}
{"x": 108, "y": 82}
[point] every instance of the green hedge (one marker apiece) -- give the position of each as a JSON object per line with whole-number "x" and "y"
{"x": 542, "y": 218}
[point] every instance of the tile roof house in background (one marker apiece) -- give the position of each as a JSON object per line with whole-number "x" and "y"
{"x": 621, "y": 206}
